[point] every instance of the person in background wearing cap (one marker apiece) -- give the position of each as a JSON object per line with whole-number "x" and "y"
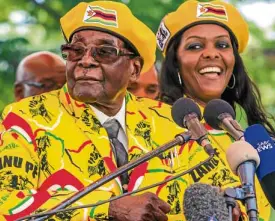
{"x": 146, "y": 85}
{"x": 202, "y": 62}
{"x": 57, "y": 143}
{"x": 38, "y": 73}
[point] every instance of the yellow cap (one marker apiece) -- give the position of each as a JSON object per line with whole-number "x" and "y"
{"x": 193, "y": 12}
{"x": 114, "y": 18}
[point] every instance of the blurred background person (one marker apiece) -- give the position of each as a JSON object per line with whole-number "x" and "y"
{"x": 38, "y": 73}
{"x": 146, "y": 85}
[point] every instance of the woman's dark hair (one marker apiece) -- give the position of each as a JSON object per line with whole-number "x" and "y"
{"x": 245, "y": 92}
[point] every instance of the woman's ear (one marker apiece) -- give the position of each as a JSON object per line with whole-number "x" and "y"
{"x": 137, "y": 67}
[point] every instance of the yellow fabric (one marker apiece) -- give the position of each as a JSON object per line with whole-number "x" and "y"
{"x": 53, "y": 146}
{"x": 60, "y": 142}
{"x": 193, "y": 11}
{"x": 222, "y": 175}
{"x": 113, "y": 17}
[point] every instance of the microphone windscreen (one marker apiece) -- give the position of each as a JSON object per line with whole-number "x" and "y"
{"x": 213, "y": 109}
{"x": 203, "y": 202}
{"x": 258, "y": 137}
{"x": 183, "y": 107}
{"x": 240, "y": 152}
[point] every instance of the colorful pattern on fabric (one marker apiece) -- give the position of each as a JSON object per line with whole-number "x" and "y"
{"x": 207, "y": 10}
{"x": 43, "y": 161}
{"x": 96, "y": 14}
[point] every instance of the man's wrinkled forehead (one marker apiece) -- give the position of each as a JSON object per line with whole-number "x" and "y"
{"x": 96, "y": 37}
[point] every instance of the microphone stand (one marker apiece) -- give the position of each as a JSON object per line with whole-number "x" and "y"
{"x": 180, "y": 139}
{"x": 230, "y": 201}
{"x": 245, "y": 193}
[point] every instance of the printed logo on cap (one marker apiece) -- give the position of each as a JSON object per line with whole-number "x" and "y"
{"x": 163, "y": 35}
{"x": 206, "y": 10}
{"x": 99, "y": 15}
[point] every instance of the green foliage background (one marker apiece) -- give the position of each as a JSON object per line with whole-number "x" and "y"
{"x": 41, "y": 18}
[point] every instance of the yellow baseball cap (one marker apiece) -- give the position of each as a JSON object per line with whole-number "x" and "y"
{"x": 193, "y": 12}
{"x": 114, "y": 18}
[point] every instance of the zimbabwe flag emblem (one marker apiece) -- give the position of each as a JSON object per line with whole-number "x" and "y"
{"x": 96, "y": 14}
{"x": 211, "y": 11}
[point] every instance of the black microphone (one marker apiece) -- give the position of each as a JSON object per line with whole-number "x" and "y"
{"x": 259, "y": 138}
{"x": 186, "y": 113}
{"x": 203, "y": 202}
{"x": 243, "y": 160}
{"x": 220, "y": 115}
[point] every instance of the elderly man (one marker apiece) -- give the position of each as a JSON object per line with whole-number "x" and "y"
{"x": 146, "y": 85}
{"x": 59, "y": 142}
{"x": 38, "y": 73}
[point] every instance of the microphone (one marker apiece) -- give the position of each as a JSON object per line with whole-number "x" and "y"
{"x": 259, "y": 138}
{"x": 203, "y": 202}
{"x": 186, "y": 113}
{"x": 243, "y": 160}
{"x": 220, "y": 115}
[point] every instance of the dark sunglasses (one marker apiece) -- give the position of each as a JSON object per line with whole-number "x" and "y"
{"x": 45, "y": 84}
{"x": 102, "y": 54}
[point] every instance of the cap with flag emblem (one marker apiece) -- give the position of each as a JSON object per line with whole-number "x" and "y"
{"x": 193, "y": 12}
{"x": 114, "y": 18}
{"x": 96, "y": 14}
{"x": 211, "y": 11}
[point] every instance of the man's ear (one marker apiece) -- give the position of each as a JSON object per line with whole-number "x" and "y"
{"x": 18, "y": 91}
{"x": 137, "y": 66}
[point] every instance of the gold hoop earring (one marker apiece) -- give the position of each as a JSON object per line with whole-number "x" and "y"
{"x": 234, "y": 82}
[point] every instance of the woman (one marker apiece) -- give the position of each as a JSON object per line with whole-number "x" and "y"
{"x": 234, "y": 86}
{"x": 201, "y": 42}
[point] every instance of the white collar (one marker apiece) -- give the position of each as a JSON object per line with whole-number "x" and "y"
{"x": 120, "y": 116}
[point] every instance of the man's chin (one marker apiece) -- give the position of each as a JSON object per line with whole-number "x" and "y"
{"x": 85, "y": 97}
{"x": 85, "y": 94}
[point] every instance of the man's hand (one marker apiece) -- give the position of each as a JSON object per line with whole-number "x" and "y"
{"x": 144, "y": 207}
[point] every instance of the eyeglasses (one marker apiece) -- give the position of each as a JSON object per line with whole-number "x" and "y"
{"x": 102, "y": 54}
{"x": 45, "y": 84}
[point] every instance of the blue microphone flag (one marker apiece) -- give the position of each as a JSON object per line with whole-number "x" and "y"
{"x": 258, "y": 137}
